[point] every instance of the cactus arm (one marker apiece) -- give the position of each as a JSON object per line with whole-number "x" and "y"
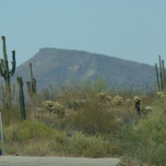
{"x": 13, "y": 64}
{"x": 5, "y": 73}
{"x": 5, "y": 60}
{"x": 4, "y": 48}
{"x": 157, "y": 77}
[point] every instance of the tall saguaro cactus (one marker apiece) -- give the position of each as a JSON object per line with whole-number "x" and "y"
{"x": 160, "y": 75}
{"x": 31, "y": 85}
{"x": 21, "y": 98}
{"x": 6, "y": 73}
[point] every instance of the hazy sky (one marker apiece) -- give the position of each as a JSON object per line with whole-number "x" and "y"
{"x": 130, "y": 29}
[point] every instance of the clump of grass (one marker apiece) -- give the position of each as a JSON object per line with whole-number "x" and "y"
{"x": 80, "y": 145}
{"x": 94, "y": 146}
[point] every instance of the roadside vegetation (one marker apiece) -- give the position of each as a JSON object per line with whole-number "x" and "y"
{"x": 89, "y": 121}
{"x": 86, "y": 120}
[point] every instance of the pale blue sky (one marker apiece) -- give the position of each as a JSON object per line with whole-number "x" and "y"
{"x": 130, "y": 29}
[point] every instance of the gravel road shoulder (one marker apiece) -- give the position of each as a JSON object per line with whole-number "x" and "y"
{"x": 56, "y": 161}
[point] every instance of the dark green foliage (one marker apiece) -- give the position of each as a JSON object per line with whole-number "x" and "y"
{"x": 31, "y": 85}
{"x": 34, "y": 130}
{"x": 21, "y": 98}
{"x": 6, "y": 73}
{"x": 160, "y": 76}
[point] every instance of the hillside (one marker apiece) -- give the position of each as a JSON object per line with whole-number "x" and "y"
{"x": 55, "y": 66}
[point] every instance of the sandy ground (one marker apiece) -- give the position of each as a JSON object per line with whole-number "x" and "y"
{"x": 55, "y": 161}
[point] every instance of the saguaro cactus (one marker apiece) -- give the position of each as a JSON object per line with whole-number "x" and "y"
{"x": 21, "y": 98}
{"x": 6, "y": 73}
{"x": 31, "y": 85}
{"x": 160, "y": 75}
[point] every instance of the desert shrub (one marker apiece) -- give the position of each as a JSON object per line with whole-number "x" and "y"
{"x": 153, "y": 153}
{"x": 93, "y": 119}
{"x": 161, "y": 95}
{"x": 154, "y": 126}
{"x": 145, "y": 140}
{"x": 101, "y": 95}
{"x": 85, "y": 146}
{"x": 57, "y": 143}
{"x": 34, "y": 148}
{"x": 73, "y": 105}
{"x": 104, "y": 97}
{"x": 22, "y": 138}
{"x": 79, "y": 145}
{"x": 30, "y": 138}
{"x": 117, "y": 101}
{"x": 54, "y": 107}
{"x": 10, "y": 116}
{"x": 33, "y": 130}
{"x": 128, "y": 101}
{"x": 77, "y": 104}
{"x": 10, "y": 133}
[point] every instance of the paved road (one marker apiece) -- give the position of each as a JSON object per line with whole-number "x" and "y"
{"x": 55, "y": 161}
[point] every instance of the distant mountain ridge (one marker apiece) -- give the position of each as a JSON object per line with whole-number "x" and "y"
{"x": 56, "y": 66}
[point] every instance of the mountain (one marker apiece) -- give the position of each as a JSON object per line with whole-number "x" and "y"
{"x": 55, "y": 66}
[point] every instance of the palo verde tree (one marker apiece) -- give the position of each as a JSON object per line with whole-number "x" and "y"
{"x": 6, "y": 73}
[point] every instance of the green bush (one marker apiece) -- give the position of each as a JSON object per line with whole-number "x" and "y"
{"x": 59, "y": 143}
{"x": 33, "y": 130}
{"x": 146, "y": 139}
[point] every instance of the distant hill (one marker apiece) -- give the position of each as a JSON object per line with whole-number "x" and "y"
{"x": 55, "y": 66}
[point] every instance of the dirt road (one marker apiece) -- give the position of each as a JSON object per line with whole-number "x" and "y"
{"x": 55, "y": 161}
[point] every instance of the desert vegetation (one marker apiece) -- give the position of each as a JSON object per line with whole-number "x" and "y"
{"x": 88, "y": 122}
{"x": 89, "y": 119}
